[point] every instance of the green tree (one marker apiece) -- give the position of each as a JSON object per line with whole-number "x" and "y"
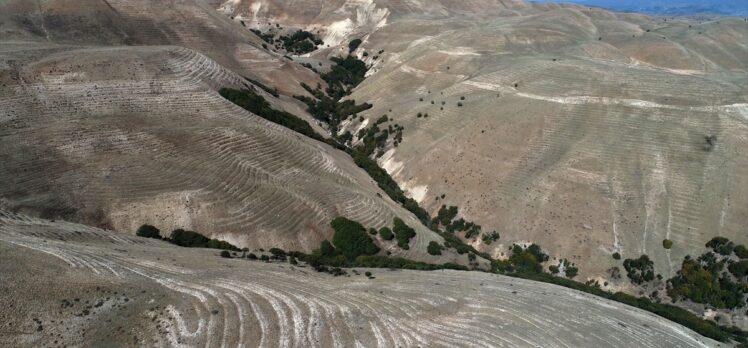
{"x": 434, "y": 248}
{"x": 148, "y": 231}
{"x": 351, "y": 240}
{"x": 667, "y": 243}
{"x": 386, "y": 233}
{"x": 403, "y": 233}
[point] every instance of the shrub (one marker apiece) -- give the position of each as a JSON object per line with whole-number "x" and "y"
{"x": 265, "y": 258}
{"x": 739, "y": 269}
{"x": 192, "y": 239}
{"x": 721, "y": 245}
{"x": 616, "y": 255}
{"x": 740, "y": 251}
{"x": 189, "y": 239}
{"x": 554, "y": 269}
{"x": 226, "y": 254}
{"x": 528, "y": 259}
{"x": 403, "y": 233}
{"x": 353, "y": 45}
{"x": 639, "y": 270}
{"x": 490, "y": 237}
{"x": 148, "y": 231}
{"x": 667, "y": 243}
{"x": 368, "y": 274}
{"x": 386, "y": 233}
{"x": 351, "y": 240}
{"x": 326, "y": 248}
{"x": 571, "y": 271}
{"x": 252, "y": 256}
{"x": 434, "y": 248}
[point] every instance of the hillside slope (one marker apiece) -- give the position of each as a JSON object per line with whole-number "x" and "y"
{"x": 76, "y": 285}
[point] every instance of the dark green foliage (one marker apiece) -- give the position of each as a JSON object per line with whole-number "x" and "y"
{"x": 368, "y": 274}
{"x": 667, "y": 243}
{"x": 351, "y": 240}
{"x": 721, "y": 245}
{"x": 741, "y": 251}
{"x": 225, "y": 254}
{"x": 252, "y": 256}
{"x": 386, "y": 233}
{"x": 446, "y": 217}
{"x": 148, "y": 231}
{"x": 292, "y": 260}
{"x": 301, "y": 42}
{"x": 528, "y": 259}
{"x": 403, "y": 233}
{"x": 489, "y": 238}
{"x": 326, "y": 248}
{"x": 435, "y": 248}
{"x": 346, "y": 74}
{"x": 265, "y": 258}
{"x": 554, "y": 269}
{"x": 571, "y": 271}
{"x": 191, "y": 239}
{"x": 703, "y": 281}
{"x": 639, "y": 270}
{"x": 256, "y": 104}
{"x": 267, "y": 37}
{"x": 616, "y": 255}
{"x": 739, "y": 269}
{"x": 373, "y": 231}
{"x": 353, "y": 45}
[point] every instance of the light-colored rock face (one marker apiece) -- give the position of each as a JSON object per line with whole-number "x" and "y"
{"x": 81, "y": 286}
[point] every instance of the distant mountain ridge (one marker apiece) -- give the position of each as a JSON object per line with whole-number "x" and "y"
{"x": 668, "y": 7}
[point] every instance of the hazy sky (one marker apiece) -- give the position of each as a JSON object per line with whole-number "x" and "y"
{"x": 732, "y": 7}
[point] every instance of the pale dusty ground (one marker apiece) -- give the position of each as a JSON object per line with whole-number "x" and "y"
{"x": 65, "y": 284}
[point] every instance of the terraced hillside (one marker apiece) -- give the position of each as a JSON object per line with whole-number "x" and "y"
{"x": 145, "y": 138}
{"x": 69, "y": 284}
{"x": 580, "y": 129}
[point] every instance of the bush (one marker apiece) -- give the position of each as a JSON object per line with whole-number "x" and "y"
{"x": 403, "y": 233}
{"x": 226, "y": 254}
{"x": 616, "y": 255}
{"x": 667, "y": 243}
{"x": 192, "y": 239}
{"x": 353, "y": 45}
{"x": 739, "y": 269}
{"x": 351, "y": 240}
{"x": 740, "y": 251}
{"x": 368, "y": 274}
{"x": 554, "y": 269}
{"x": 571, "y": 271}
{"x": 148, "y": 231}
{"x": 639, "y": 270}
{"x": 434, "y": 248}
{"x": 386, "y": 233}
{"x": 252, "y": 256}
{"x": 721, "y": 245}
{"x": 265, "y": 258}
{"x": 490, "y": 237}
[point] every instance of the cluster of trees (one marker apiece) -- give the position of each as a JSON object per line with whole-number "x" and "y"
{"x": 256, "y": 104}
{"x": 300, "y": 42}
{"x": 403, "y": 233}
{"x": 446, "y": 218}
{"x": 184, "y": 238}
{"x": 434, "y": 248}
{"x": 639, "y": 270}
{"x": 489, "y": 238}
{"x": 704, "y": 280}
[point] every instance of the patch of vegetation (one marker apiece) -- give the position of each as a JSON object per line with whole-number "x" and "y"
{"x": 192, "y": 239}
{"x": 148, "y": 231}
{"x": 351, "y": 240}
{"x": 264, "y": 87}
{"x": 434, "y": 248}
{"x": 721, "y": 245}
{"x": 353, "y": 45}
{"x": 489, "y": 238}
{"x": 639, "y": 270}
{"x": 403, "y": 233}
{"x": 703, "y": 280}
{"x": 446, "y": 218}
{"x": 741, "y": 251}
{"x": 386, "y": 233}
{"x": 616, "y": 255}
{"x": 255, "y": 103}
{"x": 226, "y": 254}
{"x": 667, "y": 243}
{"x": 528, "y": 259}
